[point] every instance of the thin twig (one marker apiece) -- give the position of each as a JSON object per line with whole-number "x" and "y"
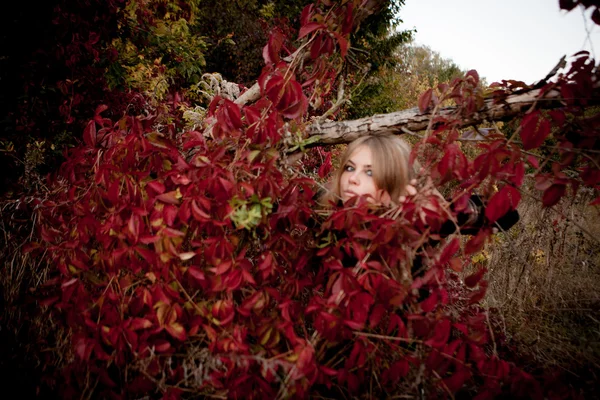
{"x": 383, "y": 337}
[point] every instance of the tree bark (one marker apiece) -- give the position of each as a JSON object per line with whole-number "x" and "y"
{"x": 337, "y": 132}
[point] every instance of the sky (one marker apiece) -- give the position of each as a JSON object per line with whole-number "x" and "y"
{"x": 501, "y": 39}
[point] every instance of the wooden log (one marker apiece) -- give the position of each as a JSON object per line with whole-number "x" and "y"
{"x": 511, "y": 106}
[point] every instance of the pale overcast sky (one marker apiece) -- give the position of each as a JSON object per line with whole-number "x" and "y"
{"x": 501, "y": 39}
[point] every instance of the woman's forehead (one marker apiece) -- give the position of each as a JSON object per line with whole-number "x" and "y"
{"x": 361, "y": 155}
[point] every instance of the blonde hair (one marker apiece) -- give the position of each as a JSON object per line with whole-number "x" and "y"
{"x": 390, "y": 165}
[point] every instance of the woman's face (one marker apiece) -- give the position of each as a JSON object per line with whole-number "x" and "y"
{"x": 357, "y": 177}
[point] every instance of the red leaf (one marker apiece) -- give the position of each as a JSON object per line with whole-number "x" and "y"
{"x": 424, "y": 100}
{"x": 567, "y": 4}
{"x": 171, "y": 197}
{"x": 266, "y": 266}
{"x": 505, "y": 200}
{"x": 48, "y": 301}
{"x": 157, "y": 186}
{"x": 162, "y": 345}
{"x": 170, "y": 232}
{"x": 298, "y": 106}
{"x": 317, "y": 47}
{"x": 113, "y": 192}
{"x": 140, "y": 323}
{"x": 349, "y": 19}
{"x": 325, "y": 168}
{"x": 68, "y": 283}
{"x": 359, "y": 307}
{"x": 227, "y": 186}
{"x": 535, "y": 163}
{"x": 89, "y": 134}
{"x": 472, "y": 280}
{"x": 342, "y": 43}
{"x": 308, "y": 28}
{"x": 476, "y": 243}
{"x": 558, "y": 116}
{"x": 457, "y": 264}
{"x": 185, "y": 211}
{"x": 457, "y": 380}
{"x": 305, "y": 362}
{"x": 450, "y": 249}
{"x": 534, "y": 130}
{"x": 146, "y": 254}
{"x": 473, "y": 74}
{"x": 429, "y": 303}
{"x": 543, "y": 182}
{"x": 441, "y": 334}
{"x": 553, "y": 194}
{"x": 134, "y": 226}
{"x": 446, "y": 164}
{"x": 519, "y": 175}
{"x": 398, "y": 370}
{"x": 198, "y": 213}
{"x": 223, "y": 311}
{"x": 376, "y": 315}
{"x": 176, "y": 330}
{"x": 566, "y": 91}
{"x": 273, "y": 47}
{"x": 197, "y": 274}
{"x": 100, "y": 109}
{"x": 287, "y": 96}
{"x": 273, "y": 87}
{"x": 596, "y": 16}
{"x": 233, "y": 113}
{"x": 396, "y": 323}
{"x": 169, "y": 214}
{"x": 222, "y": 268}
{"x": 229, "y": 116}
{"x": 478, "y": 295}
{"x": 83, "y": 348}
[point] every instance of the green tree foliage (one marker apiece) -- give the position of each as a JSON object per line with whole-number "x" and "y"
{"x": 157, "y": 50}
{"x": 397, "y": 85}
{"x": 236, "y": 31}
{"x": 427, "y": 64}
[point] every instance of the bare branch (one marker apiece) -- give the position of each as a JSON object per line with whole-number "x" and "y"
{"x": 493, "y": 109}
{"x": 249, "y": 96}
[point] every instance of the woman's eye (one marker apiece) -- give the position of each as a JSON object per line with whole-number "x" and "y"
{"x": 349, "y": 168}
{"x": 369, "y": 172}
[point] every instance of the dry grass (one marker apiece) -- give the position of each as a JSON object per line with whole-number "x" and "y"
{"x": 30, "y": 340}
{"x": 544, "y": 277}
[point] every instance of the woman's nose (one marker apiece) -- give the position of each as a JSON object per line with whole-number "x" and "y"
{"x": 353, "y": 178}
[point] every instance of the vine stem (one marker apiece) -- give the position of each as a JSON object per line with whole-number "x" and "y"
{"x": 383, "y": 337}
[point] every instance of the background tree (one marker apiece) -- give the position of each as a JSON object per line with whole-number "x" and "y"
{"x": 398, "y": 84}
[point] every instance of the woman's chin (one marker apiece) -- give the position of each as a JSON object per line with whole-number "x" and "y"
{"x": 347, "y": 196}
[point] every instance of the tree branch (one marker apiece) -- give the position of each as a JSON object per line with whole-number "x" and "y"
{"x": 493, "y": 109}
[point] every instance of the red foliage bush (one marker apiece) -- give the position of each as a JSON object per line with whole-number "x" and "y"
{"x": 199, "y": 263}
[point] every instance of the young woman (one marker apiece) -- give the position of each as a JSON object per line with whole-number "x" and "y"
{"x": 378, "y": 168}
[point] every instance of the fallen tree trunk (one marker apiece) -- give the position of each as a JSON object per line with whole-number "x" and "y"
{"x": 493, "y": 109}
